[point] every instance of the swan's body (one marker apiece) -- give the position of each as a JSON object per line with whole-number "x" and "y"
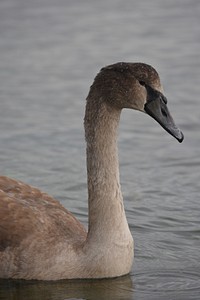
{"x": 39, "y": 238}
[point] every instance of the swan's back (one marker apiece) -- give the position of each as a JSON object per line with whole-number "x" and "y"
{"x": 32, "y": 222}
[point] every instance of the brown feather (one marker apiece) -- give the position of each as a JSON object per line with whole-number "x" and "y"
{"x": 25, "y": 211}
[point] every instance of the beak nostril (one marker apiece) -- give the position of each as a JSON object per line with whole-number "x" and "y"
{"x": 163, "y": 112}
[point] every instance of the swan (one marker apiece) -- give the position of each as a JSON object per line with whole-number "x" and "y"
{"x": 39, "y": 238}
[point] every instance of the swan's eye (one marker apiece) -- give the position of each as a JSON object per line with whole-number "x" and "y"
{"x": 142, "y": 83}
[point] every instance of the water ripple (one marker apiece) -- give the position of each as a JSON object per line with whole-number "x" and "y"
{"x": 169, "y": 282}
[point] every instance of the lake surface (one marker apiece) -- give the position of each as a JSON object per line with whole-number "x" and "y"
{"x": 50, "y": 52}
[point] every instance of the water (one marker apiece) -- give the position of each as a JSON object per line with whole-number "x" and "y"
{"x": 50, "y": 52}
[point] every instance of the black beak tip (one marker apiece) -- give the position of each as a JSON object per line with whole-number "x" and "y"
{"x": 181, "y": 138}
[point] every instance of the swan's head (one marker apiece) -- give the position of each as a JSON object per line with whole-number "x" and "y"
{"x": 136, "y": 86}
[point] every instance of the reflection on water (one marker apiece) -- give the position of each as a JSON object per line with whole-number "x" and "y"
{"x": 50, "y": 52}
{"x": 118, "y": 288}
{"x": 147, "y": 285}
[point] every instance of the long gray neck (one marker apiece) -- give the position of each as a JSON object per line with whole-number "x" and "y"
{"x": 106, "y": 210}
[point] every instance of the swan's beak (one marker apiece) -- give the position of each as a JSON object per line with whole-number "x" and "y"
{"x": 157, "y": 109}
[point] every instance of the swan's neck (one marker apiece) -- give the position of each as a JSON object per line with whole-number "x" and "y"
{"x": 107, "y": 220}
